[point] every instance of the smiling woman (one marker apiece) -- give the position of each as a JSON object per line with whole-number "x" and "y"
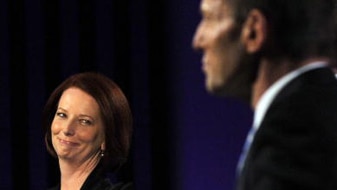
{"x": 88, "y": 127}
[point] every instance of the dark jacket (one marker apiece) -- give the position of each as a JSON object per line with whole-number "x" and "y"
{"x": 97, "y": 180}
{"x": 295, "y": 147}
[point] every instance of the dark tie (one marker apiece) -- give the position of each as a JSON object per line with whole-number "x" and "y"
{"x": 245, "y": 148}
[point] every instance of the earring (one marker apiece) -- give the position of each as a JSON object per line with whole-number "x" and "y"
{"x": 102, "y": 153}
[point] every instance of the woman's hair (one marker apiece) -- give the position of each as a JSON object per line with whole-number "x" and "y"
{"x": 115, "y": 112}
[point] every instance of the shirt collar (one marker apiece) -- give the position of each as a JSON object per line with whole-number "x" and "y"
{"x": 269, "y": 95}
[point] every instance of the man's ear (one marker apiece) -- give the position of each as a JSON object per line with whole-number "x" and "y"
{"x": 254, "y": 31}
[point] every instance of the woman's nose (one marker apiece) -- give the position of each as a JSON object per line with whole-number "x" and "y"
{"x": 69, "y": 128}
{"x": 68, "y": 133}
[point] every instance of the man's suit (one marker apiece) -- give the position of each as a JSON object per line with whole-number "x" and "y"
{"x": 295, "y": 147}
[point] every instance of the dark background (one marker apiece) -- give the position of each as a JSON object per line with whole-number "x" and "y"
{"x": 184, "y": 139}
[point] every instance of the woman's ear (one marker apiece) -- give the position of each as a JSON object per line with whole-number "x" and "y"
{"x": 254, "y": 31}
{"x": 103, "y": 146}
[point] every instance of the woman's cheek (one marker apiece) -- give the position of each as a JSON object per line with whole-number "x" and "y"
{"x": 55, "y": 126}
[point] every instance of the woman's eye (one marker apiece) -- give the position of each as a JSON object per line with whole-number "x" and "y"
{"x": 60, "y": 114}
{"x": 85, "y": 122}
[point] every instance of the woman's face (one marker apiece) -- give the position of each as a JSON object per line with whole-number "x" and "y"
{"x": 77, "y": 129}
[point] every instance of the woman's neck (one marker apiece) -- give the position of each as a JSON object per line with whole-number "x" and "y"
{"x": 73, "y": 175}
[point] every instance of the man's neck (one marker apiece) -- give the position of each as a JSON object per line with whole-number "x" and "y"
{"x": 269, "y": 72}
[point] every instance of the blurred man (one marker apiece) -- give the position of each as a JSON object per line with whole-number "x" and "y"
{"x": 276, "y": 55}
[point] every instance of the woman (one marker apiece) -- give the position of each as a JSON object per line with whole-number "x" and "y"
{"x": 88, "y": 127}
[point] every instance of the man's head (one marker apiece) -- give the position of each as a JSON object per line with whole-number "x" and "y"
{"x": 236, "y": 35}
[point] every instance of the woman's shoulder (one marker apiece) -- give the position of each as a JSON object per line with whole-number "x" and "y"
{"x": 122, "y": 186}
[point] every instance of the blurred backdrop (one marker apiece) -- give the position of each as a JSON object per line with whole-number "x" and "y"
{"x": 184, "y": 139}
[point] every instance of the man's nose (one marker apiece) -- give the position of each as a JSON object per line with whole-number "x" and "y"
{"x": 197, "y": 39}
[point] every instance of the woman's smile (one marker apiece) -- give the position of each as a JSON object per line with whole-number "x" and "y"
{"x": 67, "y": 143}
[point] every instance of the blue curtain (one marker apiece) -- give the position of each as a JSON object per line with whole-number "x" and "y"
{"x": 184, "y": 139}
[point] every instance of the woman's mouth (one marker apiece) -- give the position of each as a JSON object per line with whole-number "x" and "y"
{"x": 67, "y": 143}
